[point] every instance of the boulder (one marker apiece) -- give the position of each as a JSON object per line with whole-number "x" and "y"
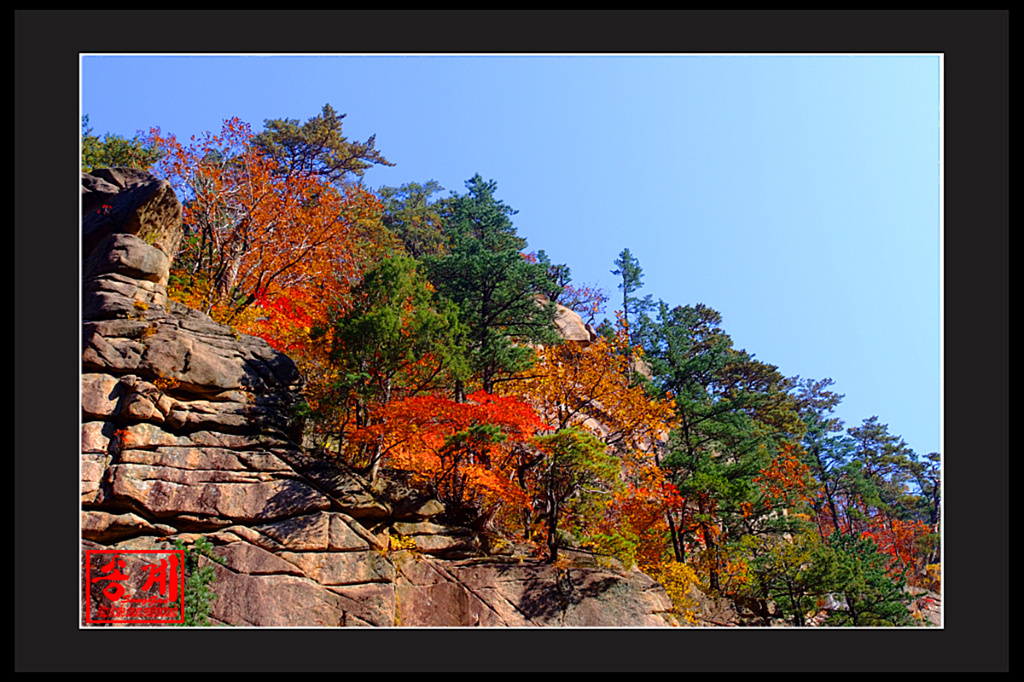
{"x": 571, "y": 327}
{"x": 133, "y": 202}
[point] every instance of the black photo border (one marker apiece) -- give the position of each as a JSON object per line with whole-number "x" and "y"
{"x": 975, "y": 45}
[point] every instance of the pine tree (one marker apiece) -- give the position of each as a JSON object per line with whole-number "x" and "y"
{"x": 395, "y": 341}
{"x": 413, "y": 219}
{"x": 634, "y": 308}
{"x": 317, "y": 147}
{"x": 733, "y": 414}
{"x": 857, "y": 572}
{"x": 497, "y": 289}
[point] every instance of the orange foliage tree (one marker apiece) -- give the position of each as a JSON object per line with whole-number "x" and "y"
{"x": 256, "y": 232}
{"x": 589, "y": 387}
{"x": 635, "y": 525}
{"x": 271, "y": 245}
{"x": 784, "y": 485}
{"x": 902, "y": 540}
{"x": 468, "y": 453}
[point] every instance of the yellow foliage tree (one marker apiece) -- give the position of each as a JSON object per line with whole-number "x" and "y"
{"x": 588, "y": 387}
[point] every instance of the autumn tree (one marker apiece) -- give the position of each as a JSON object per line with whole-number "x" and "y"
{"x": 576, "y": 386}
{"x": 466, "y": 453}
{"x": 634, "y": 526}
{"x": 586, "y": 299}
{"x": 254, "y": 228}
{"x": 586, "y": 389}
{"x": 784, "y": 485}
{"x": 393, "y": 340}
{"x": 495, "y": 287}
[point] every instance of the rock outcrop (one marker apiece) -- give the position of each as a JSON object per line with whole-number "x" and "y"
{"x": 571, "y": 326}
{"x": 189, "y": 430}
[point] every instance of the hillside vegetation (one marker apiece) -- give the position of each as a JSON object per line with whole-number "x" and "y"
{"x": 424, "y": 328}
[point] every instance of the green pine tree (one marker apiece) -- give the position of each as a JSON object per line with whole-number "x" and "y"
{"x": 857, "y": 572}
{"x": 318, "y": 147}
{"x": 114, "y": 151}
{"x": 733, "y": 413}
{"x": 199, "y": 576}
{"x": 497, "y": 289}
{"x": 413, "y": 218}
{"x": 634, "y": 308}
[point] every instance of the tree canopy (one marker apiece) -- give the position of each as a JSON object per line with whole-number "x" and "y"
{"x": 394, "y": 340}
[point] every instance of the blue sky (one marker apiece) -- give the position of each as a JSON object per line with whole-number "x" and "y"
{"x": 797, "y": 195}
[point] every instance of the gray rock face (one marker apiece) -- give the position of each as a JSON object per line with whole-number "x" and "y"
{"x": 187, "y": 430}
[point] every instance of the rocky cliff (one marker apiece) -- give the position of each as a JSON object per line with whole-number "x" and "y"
{"x": 188, "y": 431}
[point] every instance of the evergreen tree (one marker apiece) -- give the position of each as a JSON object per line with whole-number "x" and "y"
{"x": 634, "y": 308}
{"x": 414, "y": 219}
{"x": 824, "y": 452}
{"x": 786, "y": 571}
{"x": 113, "y": 151}
{"x": 496, "y": 287}
{"x": 928, "y": 476}
{"x": 318, "y": 147}
{"x": 577, "y": 472}
{"x": 857, "y": 573}
{"x": 733, "y": 413}
{"x": 888, "y": 465}
{"x": 559, "y": 276}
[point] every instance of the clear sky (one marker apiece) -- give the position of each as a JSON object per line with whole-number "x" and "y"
{"x": 797, "y": 195}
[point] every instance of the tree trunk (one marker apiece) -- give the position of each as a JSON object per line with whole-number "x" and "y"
{"x": 375, "y": 460}
{"x": 228, "y": 275}
{"x": 677, "y": 542}
{"x": 552, "y": 514}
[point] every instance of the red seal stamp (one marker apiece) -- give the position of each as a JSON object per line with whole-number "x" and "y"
{"x": 140, "y": 586}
